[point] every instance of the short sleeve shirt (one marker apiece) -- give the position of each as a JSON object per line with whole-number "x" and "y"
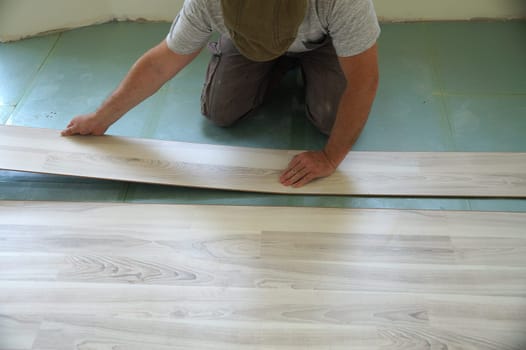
{"x": 352, "y": 26}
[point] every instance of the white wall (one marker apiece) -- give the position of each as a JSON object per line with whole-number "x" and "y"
{"x": 416, "y": 10}
{"x": 22, "y": 18}
{"x": 155, "y": 10}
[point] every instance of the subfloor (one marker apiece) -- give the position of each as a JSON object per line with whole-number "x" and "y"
{"x": 146, "y": 277}
{"x": 444, "y": 87}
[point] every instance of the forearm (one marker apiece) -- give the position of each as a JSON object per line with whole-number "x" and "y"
{"x": 140, "y": 83}
{"x": 362, "y": 76}
{"x": 353, "y": 112}
{"x": 146, "y": 77}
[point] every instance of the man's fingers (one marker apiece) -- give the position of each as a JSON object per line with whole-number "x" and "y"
{"x": 293, "y": 174}
{"x": 306, "y": 167}
{"x": 291, "y": 169}
{"x": 68, "y": 131}
{"x": 296, "y": 161}
{"x": 300, "y": 178}
{"x": 74, "y": 129}
{"x": 296, "y": 176}
{"x": 305, "y": 180}
{"x": 289, "y": 173}
{"x": 296, "y": 171}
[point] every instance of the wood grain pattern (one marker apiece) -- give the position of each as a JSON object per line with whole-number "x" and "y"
{"x": 18, "y": 332}
{"x": 257, "y": 170}
{"x": 134, "y": 276}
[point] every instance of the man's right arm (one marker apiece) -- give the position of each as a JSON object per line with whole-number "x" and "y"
{"x": 146, "y": 76}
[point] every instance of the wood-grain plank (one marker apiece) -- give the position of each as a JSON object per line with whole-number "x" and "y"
{"x": 134, "y": 276}
{"x": 396, "y": 248}
{"x": 196, "y": 304}
{"x": 142, "y": 221}
{"x": 402, "y": 318}
{"x": 18, "y": 332}
{"x": 80, "y": 239}
{"x": 267, "y": 273}
{"x": 92, "y": 332}
{"x": 257, "y": 170}
{"x": 358, "y": 247}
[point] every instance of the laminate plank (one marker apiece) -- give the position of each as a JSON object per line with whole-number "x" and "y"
{"x": 436, "y": 338}
{"x": 196, "y": 304}
{"x": 214, "y": 232}
{"x": 402, "y": 248}
{"x": 130, "y": 276}
{"x": 257, "y": 170}
{"x": 359, "y": 247}
{"x": 406, "y": 319}
{"x": 267, "y": 273}
{"x": 502, "y": 320}
{"x": 18, "y": 332}
{"x": 91, "y": 332}
{"x": 490, "y": 250}
{"x": 80, "y": 239}
{"x": 393, "y": 248}
{"x": 96, "y": 333}
{"x": 143, "y": 221}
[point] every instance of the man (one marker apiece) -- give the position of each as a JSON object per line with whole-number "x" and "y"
{"x": 334, "y": 42}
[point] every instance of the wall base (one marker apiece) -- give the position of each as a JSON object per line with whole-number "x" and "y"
{"x": 24, "y": 18}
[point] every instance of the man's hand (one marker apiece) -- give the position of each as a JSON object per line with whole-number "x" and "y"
{"x": 306, "y": 167}
{"x": 88, "y": 124}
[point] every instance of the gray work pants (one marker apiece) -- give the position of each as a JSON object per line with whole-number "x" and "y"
{"x": 235, "y": 86}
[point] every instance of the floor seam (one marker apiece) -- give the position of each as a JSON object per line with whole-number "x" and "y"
{"x": 33, "y": 79}
{"x": 441, "y": 91}
{"x": 488, "y": 94}
{"x": 154, "y": 119}
{"x": 126, "y": 191}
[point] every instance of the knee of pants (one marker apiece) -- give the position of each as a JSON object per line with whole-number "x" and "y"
{"x": 220, "y": 115}
{"x": 322, "y": 115}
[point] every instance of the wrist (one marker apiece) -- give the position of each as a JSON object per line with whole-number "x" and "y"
{"x": 335, "y": 152}
{"x": 105, "y": 118}
{"x": 334, "y": 162}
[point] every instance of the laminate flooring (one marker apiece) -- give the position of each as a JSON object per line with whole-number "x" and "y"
{"x": 136, "y": 276}
{"x": 252, "y": 169}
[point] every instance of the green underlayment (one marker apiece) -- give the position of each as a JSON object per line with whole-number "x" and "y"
{"x": 444, "y": 87}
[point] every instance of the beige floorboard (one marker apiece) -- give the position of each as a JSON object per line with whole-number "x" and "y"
{"x": 17, "y": 331}
{"x": 134, "y": 276}
{"x": 257, "y": 170}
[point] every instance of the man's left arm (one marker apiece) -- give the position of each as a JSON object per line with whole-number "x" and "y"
{"x": 361, "y": 72}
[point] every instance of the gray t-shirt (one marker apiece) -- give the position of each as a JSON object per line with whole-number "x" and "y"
{"x": 351, "y": 24}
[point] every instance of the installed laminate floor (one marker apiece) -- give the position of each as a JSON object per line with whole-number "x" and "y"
{"x": 121, "y": 276}
{"x": 254, "y": 169}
